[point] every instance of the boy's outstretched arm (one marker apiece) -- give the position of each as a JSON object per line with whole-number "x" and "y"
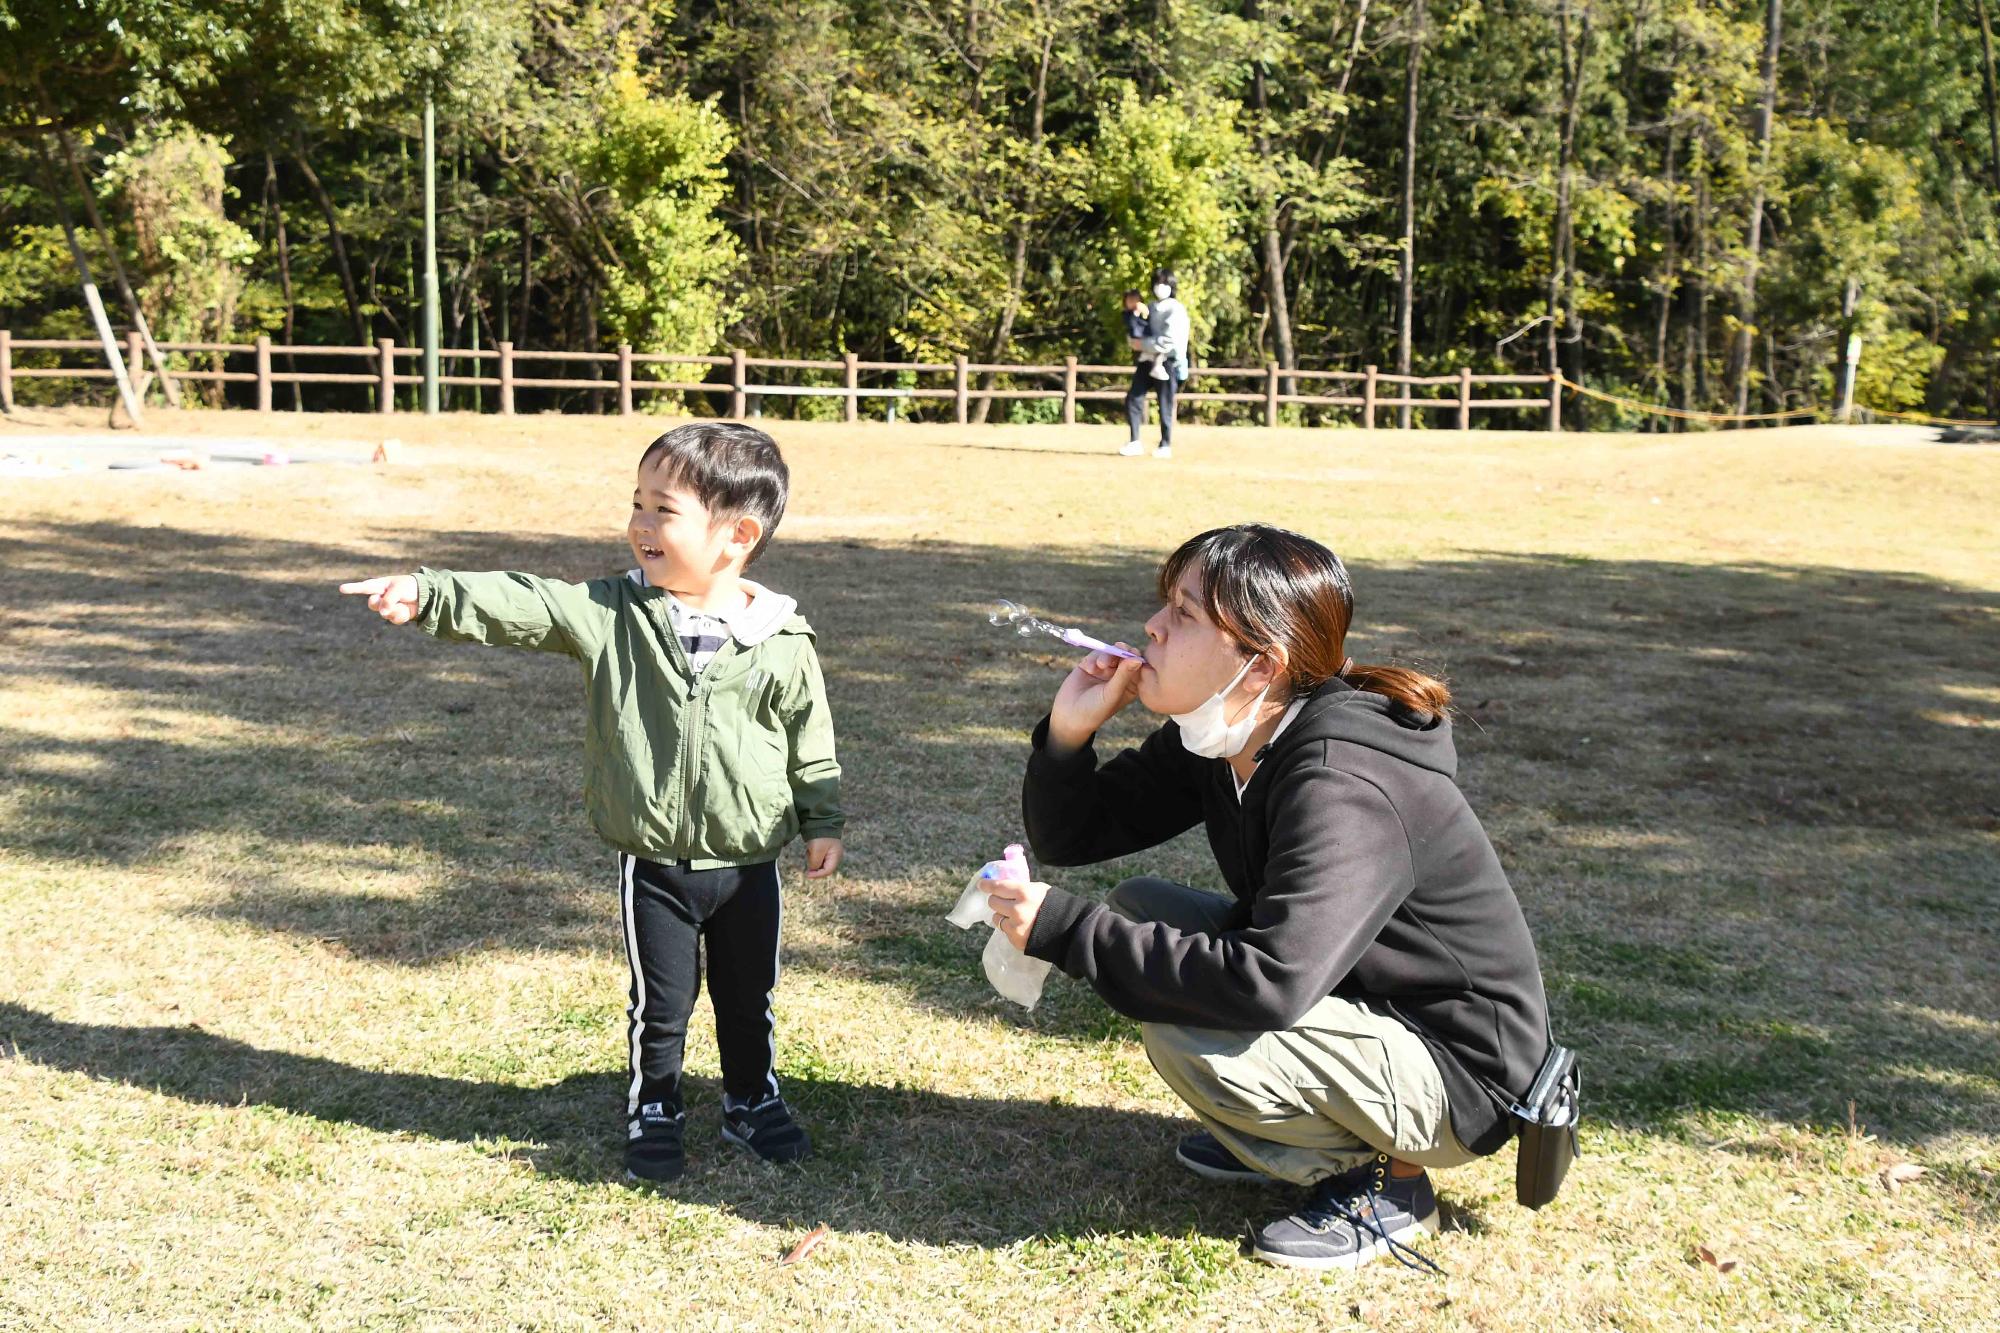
{"x": 393, "y": 598}
{"x": 503, "y": 609}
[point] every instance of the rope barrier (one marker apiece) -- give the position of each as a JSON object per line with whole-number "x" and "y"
{"x": 1690, "y": 414}
{"x": 1683, "y": 413}
{"x": 1923, "y": 419}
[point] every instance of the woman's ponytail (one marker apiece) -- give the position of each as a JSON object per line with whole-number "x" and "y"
{"x": 1412, "y": 689}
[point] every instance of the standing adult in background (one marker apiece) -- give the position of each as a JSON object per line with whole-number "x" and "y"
{"x": 1166, "y": 343}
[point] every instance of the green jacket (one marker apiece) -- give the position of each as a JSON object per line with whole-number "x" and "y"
{"x": 720, "y": 770}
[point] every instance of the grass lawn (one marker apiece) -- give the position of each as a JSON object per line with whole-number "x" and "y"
{"x": 311, "y": 985}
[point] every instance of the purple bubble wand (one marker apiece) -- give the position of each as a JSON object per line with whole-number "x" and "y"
{"x": 1012, "y": 615}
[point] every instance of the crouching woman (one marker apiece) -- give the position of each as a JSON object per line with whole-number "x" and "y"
{"x": 1349, "y": 1017}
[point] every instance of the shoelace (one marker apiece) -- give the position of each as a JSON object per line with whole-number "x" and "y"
{"x": 1358, "y": 1211}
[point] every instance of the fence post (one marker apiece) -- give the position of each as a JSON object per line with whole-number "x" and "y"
{"x": 853, "y": 372}
{"x": 1270, "y": 393}
{"x": 1069, "y": 391}
{"x": 506, "y": 379}
{"x": 385, "y": 396}
{"x": 1465, "y": 397}
{"x": 135, "y": 363}
{"x": 6, "y": 370}
{"x": 736, "y": 404}
{"x": 1555, "y": 402}
{"x": 958, "y": 386}
{"x": 263, "y": 372}
{"x": 1368, "y": 398}
{"x": 624, "y": 379}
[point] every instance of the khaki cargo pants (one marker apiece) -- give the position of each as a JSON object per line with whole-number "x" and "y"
{"x": 1328, "y": 1093}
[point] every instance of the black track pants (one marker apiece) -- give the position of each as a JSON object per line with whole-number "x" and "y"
{"x": 669, "y": 911}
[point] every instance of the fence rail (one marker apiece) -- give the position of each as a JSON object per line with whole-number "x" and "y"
{"x": 615, "y": 373}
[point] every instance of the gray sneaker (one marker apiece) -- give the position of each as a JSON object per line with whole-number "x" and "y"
{"x": 1203, "y": 1154}
{"x": 1351, "y": 1218}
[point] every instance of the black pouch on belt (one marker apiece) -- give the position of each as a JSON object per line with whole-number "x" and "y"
{"x": 1546, "y": 1122}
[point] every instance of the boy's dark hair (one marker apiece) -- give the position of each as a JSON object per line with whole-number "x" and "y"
{"x": 1133, "y": 294}
{"x": 732, "y": 469}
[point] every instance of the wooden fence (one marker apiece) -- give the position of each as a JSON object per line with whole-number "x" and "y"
{"x": 1369, "y": 389}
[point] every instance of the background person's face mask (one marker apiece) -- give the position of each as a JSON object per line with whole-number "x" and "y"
{"x": 1162, "y": 291}
{"x": 1207, "y": 732}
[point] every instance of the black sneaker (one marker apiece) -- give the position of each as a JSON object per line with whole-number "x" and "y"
{"x": 653, "y": 1144}
{"x": 1203, "y": 1154}
{"x": 1351, "y": 1218}
{"x": 766, "y": 1129}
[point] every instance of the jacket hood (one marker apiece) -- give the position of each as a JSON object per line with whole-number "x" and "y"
{"x": 1336, "y": 711}
{"x": 768, "y": 612}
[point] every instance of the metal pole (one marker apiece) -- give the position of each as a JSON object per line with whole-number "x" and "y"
{"x": 430, "y": 259}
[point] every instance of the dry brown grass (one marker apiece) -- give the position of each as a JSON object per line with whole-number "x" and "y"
{"x": 310, "y": 988}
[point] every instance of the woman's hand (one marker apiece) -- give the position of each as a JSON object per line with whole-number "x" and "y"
{"x": 1015, "y": 905}
{"x": 1091, "y": 695}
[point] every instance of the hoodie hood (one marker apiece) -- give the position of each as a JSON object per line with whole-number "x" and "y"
{"x": 1336, "y": 711}
{"x": 768, "y": 612}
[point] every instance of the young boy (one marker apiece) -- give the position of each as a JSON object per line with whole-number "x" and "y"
{"x": 709, "y": 747}
{"x": 1137, "y": 324}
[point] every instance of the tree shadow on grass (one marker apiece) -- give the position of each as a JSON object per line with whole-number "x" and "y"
{"x": 914, "y": 1165}
{"x": 1737, "y": 800}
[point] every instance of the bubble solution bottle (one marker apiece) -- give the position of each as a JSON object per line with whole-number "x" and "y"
{"x": 1014, "y": 975}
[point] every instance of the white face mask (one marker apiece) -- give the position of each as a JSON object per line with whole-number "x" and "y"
{"x": 1206, "y": 733}
{"x": 1161, "y": 290}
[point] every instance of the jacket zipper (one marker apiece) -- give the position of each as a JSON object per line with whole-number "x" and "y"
{"x": 692, "y": 737}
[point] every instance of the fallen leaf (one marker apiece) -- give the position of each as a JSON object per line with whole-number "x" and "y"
{"x": 1895, "y": 1177}
{"x": 1719, "y": 1263}
{"x": 806, "y": 1246}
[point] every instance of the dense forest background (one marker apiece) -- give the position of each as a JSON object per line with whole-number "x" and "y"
{"x": 1689, "y": 202}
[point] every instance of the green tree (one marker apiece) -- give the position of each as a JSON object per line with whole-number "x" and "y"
{"x": 659, "y": 159}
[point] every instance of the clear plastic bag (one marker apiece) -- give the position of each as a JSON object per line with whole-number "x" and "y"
{"x": 1014, "y": 975}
